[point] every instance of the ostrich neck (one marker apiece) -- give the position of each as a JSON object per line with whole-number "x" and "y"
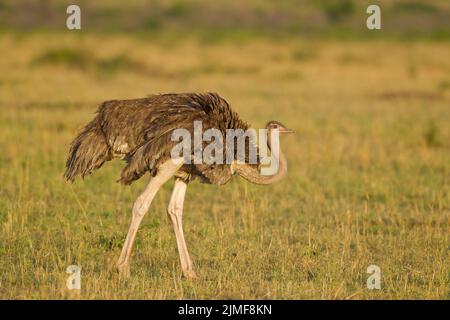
{"x": 253, "y": 174}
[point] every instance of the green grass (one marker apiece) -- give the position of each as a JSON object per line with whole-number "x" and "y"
{"x": 224, "y": 21}
{"x": 83, "y": 59}
{"x": 368, "y": 179}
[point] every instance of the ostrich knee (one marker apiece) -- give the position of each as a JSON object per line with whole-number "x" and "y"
{"x": 175, "y": 213}
{"x": 140, "y": 208}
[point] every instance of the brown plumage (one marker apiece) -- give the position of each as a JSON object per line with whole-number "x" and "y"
{"x": 139, "y": 131}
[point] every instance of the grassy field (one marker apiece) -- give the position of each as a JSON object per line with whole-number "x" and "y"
{"x": 368, "y": 179}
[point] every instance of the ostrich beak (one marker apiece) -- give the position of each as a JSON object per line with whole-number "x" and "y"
{"x": 286, "y": 130}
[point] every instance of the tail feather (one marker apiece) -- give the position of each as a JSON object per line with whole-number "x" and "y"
{"x": 88, "y": 152}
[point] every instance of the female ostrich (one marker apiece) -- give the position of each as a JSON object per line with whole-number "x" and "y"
{"x": 139, "y": 131}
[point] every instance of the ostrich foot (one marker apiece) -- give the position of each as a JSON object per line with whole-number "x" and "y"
{"x": 123, "y": 268}
{"x": 189, "y": 274}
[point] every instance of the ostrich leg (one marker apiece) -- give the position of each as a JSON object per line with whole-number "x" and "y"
{"x": 140, "y": 208}
{"x": 175, "y": 212}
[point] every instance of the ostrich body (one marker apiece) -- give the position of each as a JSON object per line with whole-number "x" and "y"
{"x": 139, "y": 131}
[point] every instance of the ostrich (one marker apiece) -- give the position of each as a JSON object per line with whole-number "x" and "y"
{"x": 139, "y": 132}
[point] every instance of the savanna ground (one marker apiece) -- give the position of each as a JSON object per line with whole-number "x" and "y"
{"x": 368, "y": 180}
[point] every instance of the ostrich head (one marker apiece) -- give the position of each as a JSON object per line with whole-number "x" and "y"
{"x": 252, "y": 174}
{"x": 276, "y": 125}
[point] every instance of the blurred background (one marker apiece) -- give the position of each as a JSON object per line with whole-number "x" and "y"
{"x": 369, "y": 166}
{"x": 221, "y": 19}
